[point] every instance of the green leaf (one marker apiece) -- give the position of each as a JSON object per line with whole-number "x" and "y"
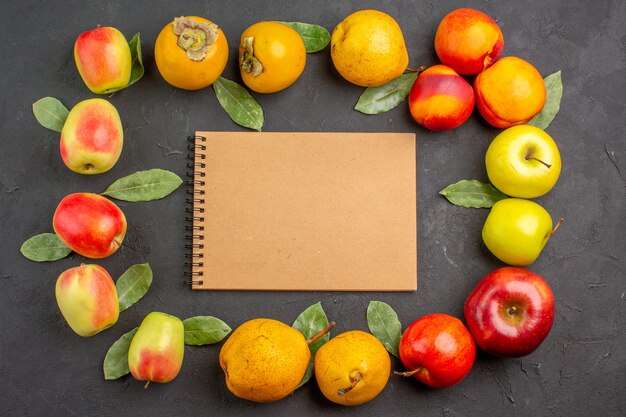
{"x": 242, "y": 108}
{"x": 116, "y": 360}
{"x": 554, "y": 93}
{"x": 136, "y": 69}
{"x": 315, "y": 37}
{"x": 472, "y": 194}
{"x": 375, "y": 100}
{"x": 133, "y": 284}
{"x": 310, "y": 322}
{"x": 204, "y": 330}
{"x": 384, "y": 324}
{"x": 148, "y": 185}
{"x": 45, "y": 247}
{"x": 50, "y": 113}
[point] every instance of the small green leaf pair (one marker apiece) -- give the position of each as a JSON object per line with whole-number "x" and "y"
{"x": 310, "y": 322}
{"x": 199, "y": 330}
{"x": 242, "y": 108}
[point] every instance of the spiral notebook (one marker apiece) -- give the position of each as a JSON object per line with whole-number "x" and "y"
{"x": 302, "y": 211}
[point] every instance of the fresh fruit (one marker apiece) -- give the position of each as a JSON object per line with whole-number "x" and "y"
{"x": 523, "y": 161}
{"x": 352, "y": 368}
{"x": 438, "y": 350}
{"x": 367, "y": 48}
{"x": 102, "y": 57}
{"x": 469, "y": 41}
{"x": 191, "y": 52}
{"x": 87, "y": 298}
{"x": 264, "y": 360}
{"x": 92, "y": 137}
{"x": 510, "y": 92}
{"x": 156, "y": 351}
{"x": 271, "y": 57}
{"x": 510, "y": 312}
{"x": 516, "y": 230}
{"x": 89, "y": 224}
{"x": 441, "y": 99}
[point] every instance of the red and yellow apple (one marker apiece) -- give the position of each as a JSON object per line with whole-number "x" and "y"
{"x": 89, "y": 224}
{"x": 87, "y": 298}
{"x": 156, "y": 351}
{"x": 103, "y": 59}
{"x": 469, "y": 41}
{"x": 510, "y": 312}
{"x": 92, "y": 137}
{"x": 523, "y": 161}
{"x": 438, "y": 350}
{"x": 440, "y": 99}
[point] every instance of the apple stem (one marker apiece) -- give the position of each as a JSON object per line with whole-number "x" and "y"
{"x": 419, "y": 69}
{"x": 354, "y": 380}
{"x": 538, "y": 160}
{"x": 147, "y": 384}
{"x": 321, "y": 333}
{"x": 561, "y": 220}
{"x": 407, "y": 374}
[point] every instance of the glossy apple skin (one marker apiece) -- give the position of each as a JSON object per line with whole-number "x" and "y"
{"x": 441, "y": 346}
{"x": 511, "y": 167}
{"x": 469, "y": 41}
{"x": 440, "y": 99}
{"x": 89, "y": 224}
{"x": 92, "y": 137}
{"x": 103, "y": 59}
{"x": 517, "y": 230}
{"x": 157, "y": 349}
{"x": 510, "y": 312}
{"x": 87, "y": 298}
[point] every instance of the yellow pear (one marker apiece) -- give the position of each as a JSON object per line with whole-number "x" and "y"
{"x": 264, "y": 360}
{"x": 352, "y": 368}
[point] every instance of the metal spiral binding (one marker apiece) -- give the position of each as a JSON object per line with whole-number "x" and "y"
{"x": 194, "y": 214}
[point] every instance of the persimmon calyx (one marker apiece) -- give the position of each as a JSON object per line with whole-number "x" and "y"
{"x": 249, "y": 63}
{"x": 193, "y": 37}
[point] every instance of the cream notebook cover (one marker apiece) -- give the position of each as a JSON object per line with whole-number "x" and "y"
{"x": 304, "y": 211}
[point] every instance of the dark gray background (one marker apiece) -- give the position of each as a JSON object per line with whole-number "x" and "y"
{"x": 45, "y": 369}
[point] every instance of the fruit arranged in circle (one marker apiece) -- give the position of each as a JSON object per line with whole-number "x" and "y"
{"x": 103, "y": 59}
{"x": 92, "y": 137}
{"x": 157, "y": 349}
{"x": 352, "y": 368}
{"x": 440, "y": 99}
{"x": 469, "y": 41}
{"x": 264, "y": 360}
{"x": 438, "y": 350}
{"x": 516, "y": 230}
{"x": 271, "y": 56}
{"x": 191, "y": 52}
{"x": 87, "y": 298}
{"x": 510, "y": 92}
{"x": 523, "y": 161}
{"x": 510, "y": 312}
{"x": 89, "y": 224}
{"x": 368, "y": 49}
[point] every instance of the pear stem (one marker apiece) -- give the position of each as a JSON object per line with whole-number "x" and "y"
{"x": 561, "y": 220}
{"x": 147, "y": 385}
{"x": 547, "y": 165}
{"x": 354, "y": 380}
{"x": 407, "y": 374}
{"x": 321, "y": 333}
{"x": 419, "y": 69}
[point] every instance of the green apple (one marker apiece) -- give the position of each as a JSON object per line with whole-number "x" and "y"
{"x": 516, "y": 230}
{"x": 523, "y": 161}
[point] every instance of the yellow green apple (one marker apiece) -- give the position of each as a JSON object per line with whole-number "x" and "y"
{"x": 92, "y": 137}
{"x": 156, "y": 351}
{"x": 523, "y": 161}
{"x": 103, "y": 59}
{"x": 87, "y": 298}
{"x": 516, "y": 230}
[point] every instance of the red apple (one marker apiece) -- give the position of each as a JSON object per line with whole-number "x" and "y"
{"x": 89, "y": 224}
{"x": 510, "y": 312}
{"x": 438, "y": 350}
{"x": 87, "y": 298}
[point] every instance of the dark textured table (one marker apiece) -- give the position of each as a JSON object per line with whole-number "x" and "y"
{"x": 580, "y": 370}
